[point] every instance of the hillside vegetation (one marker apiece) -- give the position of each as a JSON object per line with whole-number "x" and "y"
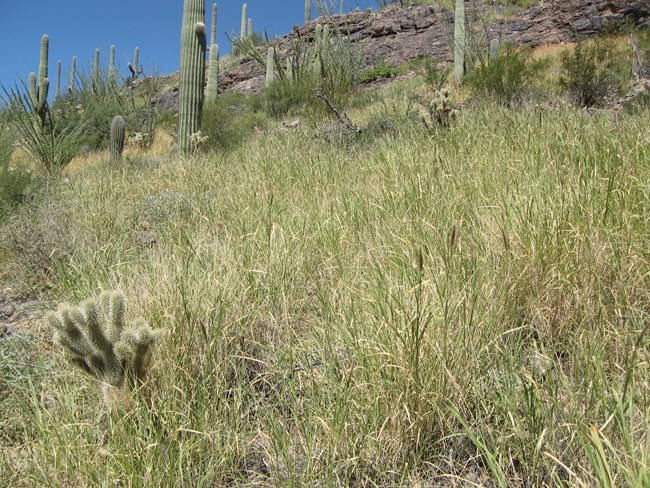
{"x": 464, "y": 302}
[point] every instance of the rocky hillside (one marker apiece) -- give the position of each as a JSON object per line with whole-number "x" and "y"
{"x": 397, "y": 35}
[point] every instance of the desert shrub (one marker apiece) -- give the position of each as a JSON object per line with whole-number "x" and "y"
{"x": 508, "y": 77}
{"x": 231, "y": 120}
{"x": 379, "y": 70}
{"x": 48, "y": 139}
{"x": 283, "y": 97}
{"x": 589, "y": 72}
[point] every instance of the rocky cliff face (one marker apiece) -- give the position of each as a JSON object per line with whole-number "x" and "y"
{"x": 397, "y": 35}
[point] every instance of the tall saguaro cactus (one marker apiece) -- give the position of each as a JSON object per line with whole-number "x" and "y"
{"x": 459, "y": 41}
{"x": 249, "y": 34}
{"x": 57, "y": 91}
{"x": 73, "y": 74}
{"x": 307, "y": 11}
{"x": 244, "y": 16}
{"x": 133, "y": 68}
{"x": 111, "y": 65}
{"x": 117, "y": 136}
{"x": 270, "y": 66}
{"x": 212, "y": 88}
{"x": 38, "y": 88}
{"x": 95, "y": 75}
{"x": 192, "y": 72}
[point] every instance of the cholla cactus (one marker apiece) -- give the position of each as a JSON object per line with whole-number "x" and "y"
{"x": 197, "y": 140}
{"x": 440, "y": 112}
{"x": 96, "y": 338}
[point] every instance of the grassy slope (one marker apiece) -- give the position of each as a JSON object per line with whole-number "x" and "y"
{"x": 308, "y": 347}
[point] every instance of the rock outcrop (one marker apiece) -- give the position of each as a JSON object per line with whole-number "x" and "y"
{"x": 397, "y": 35}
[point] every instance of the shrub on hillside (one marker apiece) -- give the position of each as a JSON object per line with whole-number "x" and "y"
{"x": 15, "y": 182}
{"x": 589, "y": 72}
{"x": 506, "y": 78}
{"x": 231, "y": 121}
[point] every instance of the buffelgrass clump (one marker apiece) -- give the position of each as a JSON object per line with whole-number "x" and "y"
{"x": 96, "y": 338}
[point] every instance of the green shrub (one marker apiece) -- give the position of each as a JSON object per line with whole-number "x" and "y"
{"x": 589, "y": 72}
{"x": 380, "y": 70}
{"x": 15, "y": 182}
{"x": 284, "y": 97}
{"x": 508, "y": 77}
{"x": 231, "y": 120}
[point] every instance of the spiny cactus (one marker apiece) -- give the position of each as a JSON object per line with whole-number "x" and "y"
{"x": 117, "y": 136}
{"x": 307, "y": 11}
{"x": 459, "y": 41}
{"x": 212, "y": 89}
{"x": 249, "y": 33}
{"x": 341, "y": 8}
{"x": 193, "y": 37}
{"x": 244, "y": 16}
{"x": 270, "y": 66}
{"x": 95, "y": 75}
{"x": 134, "y": 68}
{"x": 71, "y": 80}
{"x": 57, "y": 91}
{"x": 495, "y": 47}
{"x": 111, "y": 65}
{"x": 38, "y": 88}
{"x": 96, "y": 338}
{"x": 213, "y": 26}
{"x": 440, "y": 111}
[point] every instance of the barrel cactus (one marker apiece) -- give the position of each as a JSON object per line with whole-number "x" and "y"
{"x": 96, "y": 338}
{"x": 193, "y": 47}
{"x": 117, "y": 137}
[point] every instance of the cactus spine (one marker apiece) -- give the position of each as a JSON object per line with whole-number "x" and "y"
{"x": 96, "y": 338}
{"x": 307, "y": 11}
{"x": 459, "y": 41}
{"x": 133, "y": 68}
{"x": 73, "y": 68}
{"x": 38, "y": 88}
{"x": 111, "y": 65}
{"x": 270, "y": 66}
{"x": 118, "y": 132}
{"x": 192, "y": 72}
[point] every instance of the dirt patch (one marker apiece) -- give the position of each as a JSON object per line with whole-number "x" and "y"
{"x": 16, "y": 312}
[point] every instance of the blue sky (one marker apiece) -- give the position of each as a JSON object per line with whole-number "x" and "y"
{"x": 77, "y": 27}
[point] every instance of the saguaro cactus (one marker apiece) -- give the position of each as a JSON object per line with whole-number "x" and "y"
{"x": 212, "y": 89}
{"x": 213, "y": 25}
{"x": 307, "y": 11}
{"x": 459, "y": 41}
{"x": 38, "y": 88}
{"x": 249, "y": 34}
{"x": 192, "y": 72}
{"x": 118, "y": 132}
{"x": 96, "y": 338}
{"x": 57, "y": 91}
{"x": 73, "y": 68}
{"x": 244, "y": 16}
{"x": 270, "y": 66}
{"x": 134, "y": 68}
{"x": 111, "y": 65}
{"x": 495, "y": 47}
{"x": 95, "y": 75}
